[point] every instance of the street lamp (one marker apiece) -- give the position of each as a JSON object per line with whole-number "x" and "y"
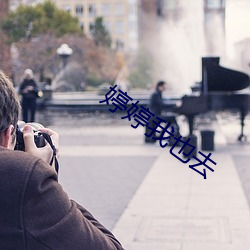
{"x": 64, "y": 51}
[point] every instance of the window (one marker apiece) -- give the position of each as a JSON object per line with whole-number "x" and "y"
{"x": 132, "y": 10}
{"x": 82, "y": 26}
{"x": 119, "y": 27}
{"x": 91, "y": 27}
{"x": 106, "y": 9}
{"x": 92, "y": 10}
{"x": 215, "y": 4}
{"x": 132, "y": 26}
{"x": 79, "y": 10}
{"x": 119, "y": 44}
{"x": 170, "y": 4}
{"x": 119, "y": 9}
{"x": 107, "y": 25}
{"x": 67, "y": 8}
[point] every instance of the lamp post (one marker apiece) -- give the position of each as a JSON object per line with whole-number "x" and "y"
{"x": 64, "y": 51}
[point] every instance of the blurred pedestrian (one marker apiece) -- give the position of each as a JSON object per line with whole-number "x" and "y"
{"x": 29, "y": 92}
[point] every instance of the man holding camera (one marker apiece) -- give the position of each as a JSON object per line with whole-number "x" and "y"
{"x": 35, "y": 212}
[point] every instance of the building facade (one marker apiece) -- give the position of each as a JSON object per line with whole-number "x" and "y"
{"x": 208, "y": 13}
{"x": 120, "y": 18}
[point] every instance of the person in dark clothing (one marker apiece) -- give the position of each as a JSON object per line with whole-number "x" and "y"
{"x": 156, "y": 105}
{"x": 29, "y": 91}
{"x": 35, "y": 212}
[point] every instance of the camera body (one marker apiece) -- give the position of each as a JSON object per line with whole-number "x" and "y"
{"x": 38, "y": 137}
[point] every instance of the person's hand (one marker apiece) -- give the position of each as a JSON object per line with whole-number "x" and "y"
{"x": 28, "y": 89}
{"x": 45, "y": 153}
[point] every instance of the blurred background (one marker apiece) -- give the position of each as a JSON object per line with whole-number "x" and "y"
{"x": 130, "y": 42}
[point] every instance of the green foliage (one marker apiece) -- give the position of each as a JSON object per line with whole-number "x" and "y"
{"x": 93, "y": 80}
{"x": 42, "y": 18}
{"x": 100, "y": 33}
{"x": 141, "y": 75}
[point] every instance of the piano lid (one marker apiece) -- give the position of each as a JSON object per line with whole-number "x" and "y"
{"x": 218, "y": 78}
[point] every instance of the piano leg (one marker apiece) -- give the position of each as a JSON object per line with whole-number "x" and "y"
{"x": 243, "y": 114}
{"x": 190, "y": 123}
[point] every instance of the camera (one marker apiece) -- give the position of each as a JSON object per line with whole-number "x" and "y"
{"x": 38, "y": 137}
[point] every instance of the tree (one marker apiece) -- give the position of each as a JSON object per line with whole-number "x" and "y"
{"x": 141, "y": 75}
{"x": 5, "y": 62}
{"x": 95, "y": 64}
{"x": 100, "y": 33}
{"x": 42, "y": 18}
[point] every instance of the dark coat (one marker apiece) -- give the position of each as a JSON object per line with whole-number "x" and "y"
{"x": 36, "y": 214}
{"x": 156, "y": 103}
{"x": 31, "y": 94}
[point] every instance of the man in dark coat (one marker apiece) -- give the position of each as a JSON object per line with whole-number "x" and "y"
{"x": 29, "y": 91}
{"x": 35, "y": 212}
{"x": 156, "y": 105}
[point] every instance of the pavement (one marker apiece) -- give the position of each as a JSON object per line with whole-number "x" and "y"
{"x": 175, "y": 208}
{"x": 149, "y": 198}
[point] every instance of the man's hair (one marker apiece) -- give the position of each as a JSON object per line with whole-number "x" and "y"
{"x": 9, "y": 104}
{"x": 159, "y": 84}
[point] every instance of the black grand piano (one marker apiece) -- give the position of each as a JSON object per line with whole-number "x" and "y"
{"x": 220, "y": 89}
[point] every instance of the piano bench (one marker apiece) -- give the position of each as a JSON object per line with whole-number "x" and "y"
{"x": 193, "y": 142}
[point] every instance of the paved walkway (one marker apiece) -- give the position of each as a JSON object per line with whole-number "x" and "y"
{"x": 169, "y": 206}
{"x": 176, "y": 209}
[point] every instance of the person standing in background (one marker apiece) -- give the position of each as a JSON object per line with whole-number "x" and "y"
{"x": 29, "y": 92}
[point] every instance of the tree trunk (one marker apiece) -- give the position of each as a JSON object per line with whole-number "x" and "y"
{"x": 5, "y": 58}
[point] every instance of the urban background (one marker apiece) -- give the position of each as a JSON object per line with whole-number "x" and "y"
{"x": 132, "y": 42}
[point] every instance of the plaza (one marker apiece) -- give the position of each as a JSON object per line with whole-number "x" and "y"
{"x": 147, "y": 197}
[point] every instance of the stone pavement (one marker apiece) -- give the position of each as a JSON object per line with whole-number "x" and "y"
{"x": 175, "y": 208}
{"x": 149, "y": 198}
{"x": 102, "y": 167}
